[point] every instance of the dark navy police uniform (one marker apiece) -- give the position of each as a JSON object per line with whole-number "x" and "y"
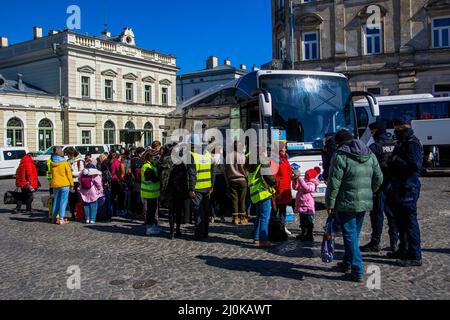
{"x": 404, "y": 191}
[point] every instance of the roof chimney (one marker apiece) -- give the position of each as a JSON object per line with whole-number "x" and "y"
{"x": 3, "y": 42}
{"x": 255, "y": 68}
{"x": 243, "y": 67}
{"x": 212, "y": 62}
{"x": 53, "y": 32}
{"x": 227, "y": 62}
{"x": 20, "y": 85}
{"x": 37, "y": 32}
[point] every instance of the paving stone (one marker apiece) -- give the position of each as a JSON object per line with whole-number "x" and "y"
{"x": 113, "y": 257}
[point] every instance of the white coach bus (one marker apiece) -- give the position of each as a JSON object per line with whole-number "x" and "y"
{"x": 431, "y": 123}
{"x": 301, "y": 107}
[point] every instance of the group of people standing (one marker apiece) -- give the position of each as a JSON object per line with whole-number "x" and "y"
{"x": 134, "y": 183}
{"x": 382, "y": 179}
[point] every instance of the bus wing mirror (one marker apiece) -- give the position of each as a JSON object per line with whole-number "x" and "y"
{"x": 265, "y": 104}
{"x": 371, "y": 99}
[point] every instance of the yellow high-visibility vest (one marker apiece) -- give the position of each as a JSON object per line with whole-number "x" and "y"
{"x": 203, "y": 167}
{"x": 49, "y": 170}
{"x": 259, "y": 191}
{"x": 149, "y": 190}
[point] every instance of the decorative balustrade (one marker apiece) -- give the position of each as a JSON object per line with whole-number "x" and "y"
{"x": 117, "y": 48}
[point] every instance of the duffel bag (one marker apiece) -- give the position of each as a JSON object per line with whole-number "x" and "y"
{"x": 12, "y": 197}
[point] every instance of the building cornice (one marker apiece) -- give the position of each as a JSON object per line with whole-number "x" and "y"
{"x": 210, "y": 73}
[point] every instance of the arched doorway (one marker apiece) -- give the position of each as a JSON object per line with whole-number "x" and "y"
{"x": 148, "y": 134}
{"x": 45, "y": 134}
{"x": 14, "y": 133}
{"x": 128, "y": 135}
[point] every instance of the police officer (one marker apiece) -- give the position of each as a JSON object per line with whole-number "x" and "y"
{"x": 383, "y": 148}
{"x": 404, "y": 169}
{"x": 200, "y": 185}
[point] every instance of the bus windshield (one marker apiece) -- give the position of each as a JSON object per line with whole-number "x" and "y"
{"x": 309, "y": 107}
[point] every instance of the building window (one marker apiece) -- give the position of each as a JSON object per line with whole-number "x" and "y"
{"x": 148, "y": 134}
{"x": 441, "y": 32}
{"x": 196, "y": 92}
{"x": 280, "y": 13}
{"x": 85, "y": 137}
{"x": 109, "y": 133}
{"x": 85, "y": 87}
{"x": 148, "y": 94}
{"x": 45, "y": 134}
{"x": 441, "y": 90}
{"x": 164, "y": 96}
{"x": 129, "y": 92}
{"x": 374, "y": 91}
{"x": 282, "y": 48}
{"x": 108, "y": 89}
{"x": 14, "y": 133}
{"x": 310, "y": 45}
{"x": 373, "y": 41}
{"x": 128, "y": 135}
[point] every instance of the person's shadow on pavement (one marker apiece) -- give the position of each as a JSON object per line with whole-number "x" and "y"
{"x": 267, "y": 268}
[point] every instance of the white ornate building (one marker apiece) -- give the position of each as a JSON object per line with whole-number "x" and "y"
{"x": 108, "y": 85}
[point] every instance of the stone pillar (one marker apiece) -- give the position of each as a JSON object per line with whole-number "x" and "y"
{"x": 31, "y": 131}
{"x": 98, "y": 82}
{"x": 405, "y": 22}
{"x": 119, "y": 94}
{"x": 99, "y": 129}
{"x": 139, "y": 88}
{"x": 71, "y": 128}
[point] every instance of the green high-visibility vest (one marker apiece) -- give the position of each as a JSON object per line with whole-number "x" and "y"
{"x": 149, "y": 190}
{"x": 203, "y": 167}
{"x": 259, "y": 191}
{"x": 49, "y": 169}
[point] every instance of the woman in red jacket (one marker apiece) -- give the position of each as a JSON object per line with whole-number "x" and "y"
{"x": 27, "y": 180}
{"x": 284, "y": 184}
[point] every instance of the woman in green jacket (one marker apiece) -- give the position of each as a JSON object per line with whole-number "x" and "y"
{"x": 355, "y": 175}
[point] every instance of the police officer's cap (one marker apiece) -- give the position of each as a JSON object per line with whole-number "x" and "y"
{"x": 403, "y": 120}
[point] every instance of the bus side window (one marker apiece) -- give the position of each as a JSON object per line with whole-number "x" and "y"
{"x": 434, "y": 110}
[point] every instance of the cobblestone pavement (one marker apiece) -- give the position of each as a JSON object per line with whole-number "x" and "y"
{"x": 115, "y": 257}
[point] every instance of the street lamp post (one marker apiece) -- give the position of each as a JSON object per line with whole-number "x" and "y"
{"x": 62, "y": 99}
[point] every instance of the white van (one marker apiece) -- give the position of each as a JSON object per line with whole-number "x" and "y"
{"x": 10, "y": 159}
{"x": 83, "y": 149}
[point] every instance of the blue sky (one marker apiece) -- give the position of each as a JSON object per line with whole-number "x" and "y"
{"x": 190, "y": 29}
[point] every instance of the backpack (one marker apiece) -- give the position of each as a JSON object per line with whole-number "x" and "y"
{"x": 328, "y": 243}
{"x": 138, "y": 164}
{"x": 277, "y": 231}
{"x": 106, "y": 178}
{"x": 85, "y": 182}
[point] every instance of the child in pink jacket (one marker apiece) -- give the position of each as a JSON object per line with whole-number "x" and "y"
{"x": 304, "y": 204}
{"x": 91, "y": 189}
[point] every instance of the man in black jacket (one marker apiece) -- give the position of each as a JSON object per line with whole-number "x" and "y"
{"x": 200, "y": 186}
{"x": 383, "y": 149}
{"x": 136, "y": 203}
{"x": 404, "y": 169}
